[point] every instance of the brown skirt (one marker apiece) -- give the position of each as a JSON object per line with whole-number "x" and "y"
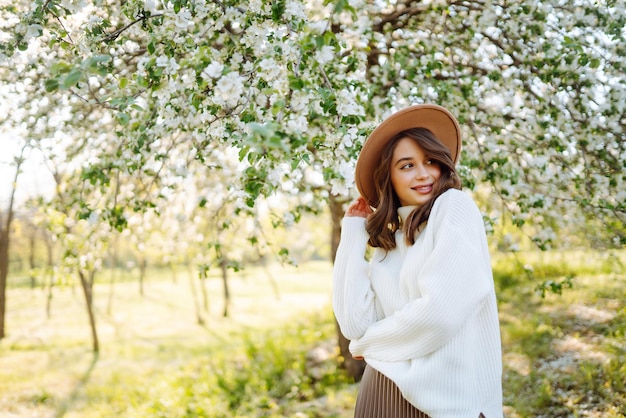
{"x": 379, "y": 397}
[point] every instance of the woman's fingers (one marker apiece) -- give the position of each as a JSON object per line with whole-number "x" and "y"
{"x": 359, "y": 208}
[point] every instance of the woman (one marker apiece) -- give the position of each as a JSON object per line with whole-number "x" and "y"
{"x": 422, "y": 312}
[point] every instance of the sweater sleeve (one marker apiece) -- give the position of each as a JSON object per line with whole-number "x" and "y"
{"x": 353, "y": 297}
{"x": 454, "y": 282}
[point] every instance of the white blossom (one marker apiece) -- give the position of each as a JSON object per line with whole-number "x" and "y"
{"x": 300, "y": 100}
{"x": 32, "y": 31}
{"x": 318, "y": 27}
{"x": 150, "y": 5}
{"x": 297, "y": 123}
{"x": 269, "y": 69}
{"x": 229, "y": 89}
{"x": 294, "y": 9}
{"x": 93, "y": 21}
{"x": 243, "y": 53}
{"x": 347, "y": 105}
{"x": 213, "y": 70}
{"x": 349, "y": 137}
{"x": 183, "y": 19}
{"x": 324, "y": 55}
{"x": 256, "y": 38}
{"x": 275, "y": 175}
{"x": 339, "y": 187}
{"x": 289, "y": 219}
{"x": 171, "y": 66}
{"x": 346, "y": 170}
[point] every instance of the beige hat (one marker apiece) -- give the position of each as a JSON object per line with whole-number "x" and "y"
{"x": 436, "y": 119}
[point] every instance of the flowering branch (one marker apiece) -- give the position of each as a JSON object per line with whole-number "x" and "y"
{"x": 142, "y": 17}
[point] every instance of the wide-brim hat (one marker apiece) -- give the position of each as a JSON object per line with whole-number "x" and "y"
{"x": 436, "y": 119}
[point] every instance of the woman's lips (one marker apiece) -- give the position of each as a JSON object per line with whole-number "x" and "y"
{"x": 423, "y": 189}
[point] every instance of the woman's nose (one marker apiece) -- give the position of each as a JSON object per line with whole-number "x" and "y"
{"x": 420, "y": 171}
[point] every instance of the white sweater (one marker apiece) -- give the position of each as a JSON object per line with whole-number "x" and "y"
{"x": 426, "y": 315}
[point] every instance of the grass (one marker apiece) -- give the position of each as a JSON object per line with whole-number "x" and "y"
{"x": 564, "y": 355}
{"x": 275, "y": 355}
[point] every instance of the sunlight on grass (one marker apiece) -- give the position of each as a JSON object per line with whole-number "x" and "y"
{"x": 156, "y": 360}
{"x": 564, "y": 355}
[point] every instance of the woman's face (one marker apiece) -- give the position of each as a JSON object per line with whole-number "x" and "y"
{"x": 413, "y": 174}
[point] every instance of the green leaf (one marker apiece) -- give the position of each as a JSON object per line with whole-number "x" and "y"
{"x": 296, "y": 83}
{"x": 265, "y": 130}
{"x": 72, "y": 78}
{"x": 142, "y": 81}
{"x": 101, "y": 58}
{"x": 278, "y": 9}
{"x": 123, "y": 82}
{"x": 60, "y": 67}
{"x": 116, "y": 218}
{"x": 341, "y": 5}
{"x": 51, "y": 84}
{"x": 278, "y": 106}
{"x": 123, "y": 118}
{"x": 94, "y": 61}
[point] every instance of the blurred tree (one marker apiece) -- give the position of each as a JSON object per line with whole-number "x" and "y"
{"x": 295, "y": 87}
{"x": 6, "y": 220}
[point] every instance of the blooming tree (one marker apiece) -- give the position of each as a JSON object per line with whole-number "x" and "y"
{"x": 539, "y": 88}
{"x": 295, "y": 86}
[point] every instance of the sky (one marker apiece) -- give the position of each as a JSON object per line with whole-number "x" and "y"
{"x": 34, "y": 180}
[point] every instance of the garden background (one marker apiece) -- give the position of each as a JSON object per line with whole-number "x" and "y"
{"x": 174, "y": 175}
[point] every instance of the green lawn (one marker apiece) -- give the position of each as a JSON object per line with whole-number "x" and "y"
{"x": 274, "y": 356}
{"x": 564, "y": 355}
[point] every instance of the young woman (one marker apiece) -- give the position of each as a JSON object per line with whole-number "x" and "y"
{"x": 422, "y": 312}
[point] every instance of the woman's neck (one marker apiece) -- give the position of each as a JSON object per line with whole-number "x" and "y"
{"x": 405, "y": 211}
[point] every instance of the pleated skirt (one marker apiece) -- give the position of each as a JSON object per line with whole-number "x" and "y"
{"x": 379, "y": 397}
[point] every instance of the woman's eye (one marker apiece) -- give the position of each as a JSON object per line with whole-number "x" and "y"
{"x": 405, "y": 166}
{"x": 429, "y": 162}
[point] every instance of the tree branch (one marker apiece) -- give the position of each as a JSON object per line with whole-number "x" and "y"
{"x": 114, "y": 35}
{"x": 402, "y": 10}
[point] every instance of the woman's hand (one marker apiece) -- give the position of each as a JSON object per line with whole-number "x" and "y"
{"x": 359, "y": 208}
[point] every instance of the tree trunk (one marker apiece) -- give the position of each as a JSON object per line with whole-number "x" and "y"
{"x": 4, "y": 271}
{"x": 224, "y": 268}
{"x": 194, "y": 294}
{"x": 49, "y": 274}
{"x": 5, "y": 235}
{"x": 87, "y": 285}
{"x": 113, "y": 267}
{"x": 205, "y": 293}
{"x": 354, "y": 367}
{"x": 270, "y": 276}
{"x": 174, "y": 272}
{"x": 111, "y": 291}
{"x": 143, "y": 263}
{"x": 32, "y": 240}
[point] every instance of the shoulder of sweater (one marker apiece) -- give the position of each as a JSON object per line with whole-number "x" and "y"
{"x": 456, "y": 206}
{"x": 454, "y": 198}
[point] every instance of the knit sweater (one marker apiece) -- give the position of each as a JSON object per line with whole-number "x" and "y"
{"x": 425, "y": 315}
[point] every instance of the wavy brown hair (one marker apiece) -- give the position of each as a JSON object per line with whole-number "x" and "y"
{"x": 384, "y": 222}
